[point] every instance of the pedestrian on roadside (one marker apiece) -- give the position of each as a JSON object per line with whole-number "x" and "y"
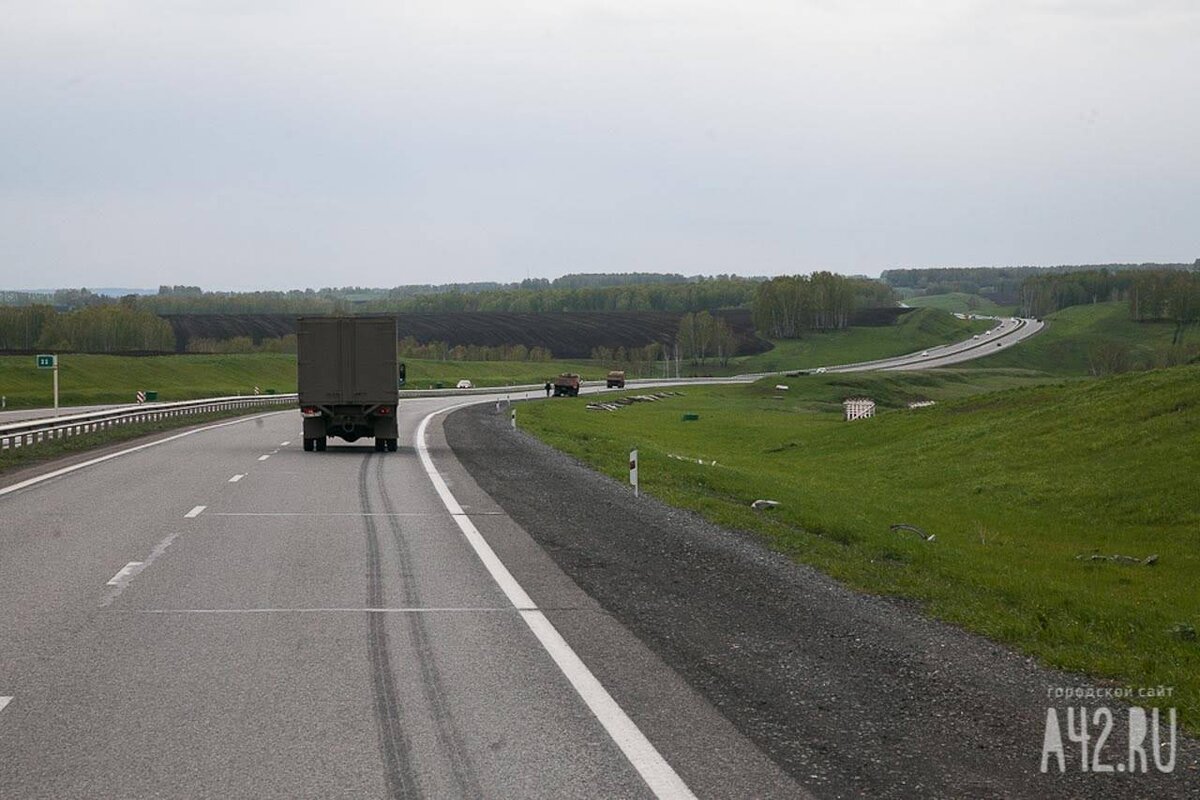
{"x": 547, "y": 388}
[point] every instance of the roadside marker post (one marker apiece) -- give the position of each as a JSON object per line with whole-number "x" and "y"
{"x": 140, "y": 397}
{"x": 513, "y": 415}
{"x": 47, "y": 361}
{"x": 633, "y": 472}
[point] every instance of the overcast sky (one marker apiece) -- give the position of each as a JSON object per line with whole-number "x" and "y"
{"x": 272, "y": 144}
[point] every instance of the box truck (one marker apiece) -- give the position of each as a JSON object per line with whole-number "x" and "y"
{"x": 348, "y": 378}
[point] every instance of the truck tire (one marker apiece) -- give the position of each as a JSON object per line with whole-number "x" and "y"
{"x": 380, "y": 445}
{"x": 320, "y": 443}
{"x": 393, "y": 445}
{"x": 309, "y": 444}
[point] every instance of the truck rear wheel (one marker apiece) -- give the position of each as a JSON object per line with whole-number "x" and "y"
{"x": 309, "y": 444}
{"x": 380, "y": 445}
{"x": 320, "y": 442}
{"x": 393, "y": 445}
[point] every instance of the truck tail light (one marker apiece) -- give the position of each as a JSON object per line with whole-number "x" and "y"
{"x": 383, "y": 411}
{"x": 310, "y": 411}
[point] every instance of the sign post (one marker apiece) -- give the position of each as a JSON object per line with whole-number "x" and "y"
{"x": 50, "y": 362}
{"x": 633, "y": 471}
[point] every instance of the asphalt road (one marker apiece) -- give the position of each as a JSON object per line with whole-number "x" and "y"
{"x": 321, "y": 626}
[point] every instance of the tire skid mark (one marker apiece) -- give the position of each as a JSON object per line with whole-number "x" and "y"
{"x": 393, "y": 744}
{"x": 448, "y": 734}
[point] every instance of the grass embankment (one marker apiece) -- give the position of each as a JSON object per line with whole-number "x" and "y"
{"x": 1074, "y": 339}
{"x": 19, "y": 457}
{"x": 1014, "y": 484}
{"x": 961, "y": 303}
{"x": 95, "y": 379}
{"x": 914, "y": 331}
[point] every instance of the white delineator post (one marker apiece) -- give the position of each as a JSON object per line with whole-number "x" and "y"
{"x": 633, "y": 471}
{"x": 513, "y": 415}
{"x": 56, "y": 386}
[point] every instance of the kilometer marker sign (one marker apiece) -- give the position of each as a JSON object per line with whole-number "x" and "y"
{"x": 633, "y": 476}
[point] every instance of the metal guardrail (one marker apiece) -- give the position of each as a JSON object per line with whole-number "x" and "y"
{"x": 30, "y": 432}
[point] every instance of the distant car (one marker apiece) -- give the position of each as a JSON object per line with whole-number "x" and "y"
{"x": 465, "y": 384}
{"x": 976, "y": 336}
{"x": 999, "y": 344}
{"x": 925, "y": 354}
{"x": 819, "y": 370}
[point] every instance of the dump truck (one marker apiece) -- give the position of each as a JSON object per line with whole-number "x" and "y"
{"x": 615, "y": 379}
{"x": 566, "y": 385}
{"x": 348, "y": 379}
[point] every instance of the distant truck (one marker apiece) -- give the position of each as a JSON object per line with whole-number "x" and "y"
{"x": 615, "y": 379}
{"x": 348, "y": 379}
{"x": 566, "y": 385}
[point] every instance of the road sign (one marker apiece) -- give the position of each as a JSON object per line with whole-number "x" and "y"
{"x": 141, "y": 397}
{"x": 633, "y": 470}
{"x": 47, "y": 362}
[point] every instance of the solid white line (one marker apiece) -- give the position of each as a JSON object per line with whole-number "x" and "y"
{"x": 263, "y": 458}
{"x": 91, "y": 462}
{"x": 4, "y": 701}
{"x": 505, "y": 610}
{"x": 330, "y": 514}
{"x": 195, "y": 512}
{"x": 284, "y": 444}
{"x": 126, "y": 573}
{"x": 237, "y": 478}
{"x": 660, "y": 776}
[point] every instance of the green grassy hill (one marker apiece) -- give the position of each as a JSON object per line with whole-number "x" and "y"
{"x": 1081, "y": 340}
{"x": 1014, "y": 484}
{"x": 914, "y": 331}
{"x": 961, "y": 303}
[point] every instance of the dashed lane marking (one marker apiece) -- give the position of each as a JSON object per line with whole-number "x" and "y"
{"x": 126, "y": 573}
{"x": 100, "y": 460}
{"x": 237, "y": 478}
{"x": 120, "y": 582}
{"x": 195, "y": 512}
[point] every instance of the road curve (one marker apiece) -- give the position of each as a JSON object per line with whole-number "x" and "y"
{"x": 224, "y": 615}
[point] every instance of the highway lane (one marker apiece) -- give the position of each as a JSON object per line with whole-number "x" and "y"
{"x": 318, "y": 627}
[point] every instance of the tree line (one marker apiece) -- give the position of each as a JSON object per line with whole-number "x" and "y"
{"x": 787, "y": 307}
{"x": 409, "y": 347}
{"x": 94, "y": 329}
{"x": 1153, "y": 295}
{"x": 1002, "y": 285}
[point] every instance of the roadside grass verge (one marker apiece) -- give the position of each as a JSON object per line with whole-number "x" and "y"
{"x": 21, "y": 457}
{"x": 1014, "y": 483}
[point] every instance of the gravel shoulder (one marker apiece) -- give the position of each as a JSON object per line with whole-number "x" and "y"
{"x": 851, "y": 695}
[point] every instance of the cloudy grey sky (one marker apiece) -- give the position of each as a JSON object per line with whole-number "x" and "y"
{"x": 271, "y": 144}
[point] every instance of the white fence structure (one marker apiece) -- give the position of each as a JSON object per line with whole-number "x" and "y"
{"x": 858, "y": 408}
{"x": 35, "y": 431}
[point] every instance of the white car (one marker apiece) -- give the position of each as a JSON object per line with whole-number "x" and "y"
{"x": 976, "y": 336}
{"x": 465, "y": 384}
{"x": 925, "y": 354}
{"x": 819, "y": 370}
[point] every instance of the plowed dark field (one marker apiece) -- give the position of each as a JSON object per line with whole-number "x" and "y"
{"x": 566, "y": 335}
